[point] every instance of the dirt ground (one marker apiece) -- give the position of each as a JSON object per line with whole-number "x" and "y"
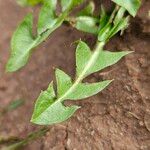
{"x": 116, "y": 119}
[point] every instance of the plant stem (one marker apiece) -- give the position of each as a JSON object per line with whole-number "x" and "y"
{"x": 31, "y": 137}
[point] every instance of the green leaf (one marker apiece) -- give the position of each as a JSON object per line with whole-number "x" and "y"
{"x": 63, "y": 82}
{"x": 104, "y": 18}
{"x": 84, "y": 90}
{"x": 131, "y": 5}
{"x": 23, "y": 41}
{"x": 120, "y": 26}
{"x": 29, "y": 2}
{"x": 104, "y": 33}
{"x": 47, "y": 18}
{"x": 55, "y": 113}
{"x": 69, "y": 4}
{"x": 119, "y": 15}
{"x": 21, "y": 44}
{"x": 87, "y": 24}
{"x": 109, "y": 28}
{"x": 66, "y": 89}
{"x": 85, "y": 21}
{"x": 83, "y": 55}
{"x": 45, "y": 99}
{"x": 49, "y": 109}
{"x": 88, "y": 10}
{"x": 104, "y": 59}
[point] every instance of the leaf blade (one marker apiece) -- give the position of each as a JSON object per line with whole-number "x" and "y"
{"x": 106, "y": 59}
{"x": 86, "y": 90}
{"x": 45, "y": 99}
{"x": 86, "y": 23}
{"x": 47, "y": 18}
{"x": 83, "y": 54}
{"x": 22, "y": 49}
{"x": 63, "y": 82}
{"x": 56, "y": 113}
{"x": 131, "y": 5}
{"x": 21, "y": 44}
{"x": 88, "y": 10}
{"x": 69, "y": 4}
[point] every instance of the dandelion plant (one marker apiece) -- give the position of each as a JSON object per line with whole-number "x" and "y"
{"x": 50, "y": 107}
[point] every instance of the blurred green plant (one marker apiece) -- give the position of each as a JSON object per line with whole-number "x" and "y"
{"x": 20, "y": 143}
{"x": 12, "y": 106}
{"x": 29, "y": 2}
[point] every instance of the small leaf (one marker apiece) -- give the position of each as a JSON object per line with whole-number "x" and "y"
{"x": 86, "y": 24}
{"x": 88, "y": 10}
{"x": 119, "y": 15}
{"x": 48, "y": 109}
{"x": 120, "y": 26}
{"x": 55, "y": 113}
{"x": 45, "y": 99}
{"x": 131, "y": 5}
{"x": 47, "y": 18}
{"x": 21, "y": 45}
{"x": 107, "y": 59}
{"x": 23, "y": 41}
{"x": 83, "y": 54}
{"x": 84, "y": 90}
{"x": 104, "y": 59}
{"x": 63, "y": 82}
{"x": 104, "y": 18}
{"x": 109, "y": 29}
{"x": 69, "y": 4}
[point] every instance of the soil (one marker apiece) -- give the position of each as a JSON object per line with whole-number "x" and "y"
{"x": 116, "y": 119}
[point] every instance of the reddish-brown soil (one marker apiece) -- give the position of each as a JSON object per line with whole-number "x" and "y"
{"x": 116, "y": 119}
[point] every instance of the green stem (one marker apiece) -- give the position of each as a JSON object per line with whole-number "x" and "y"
{"x": 31, "y": 137}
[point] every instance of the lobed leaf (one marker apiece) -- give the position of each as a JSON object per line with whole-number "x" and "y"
{"x": 23, "y": 41}
{"x": 132, "y": 6}
{"x": 49, "y": 111}
{"x": 49, "y": 108}
{"x": 21, "y": 44}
